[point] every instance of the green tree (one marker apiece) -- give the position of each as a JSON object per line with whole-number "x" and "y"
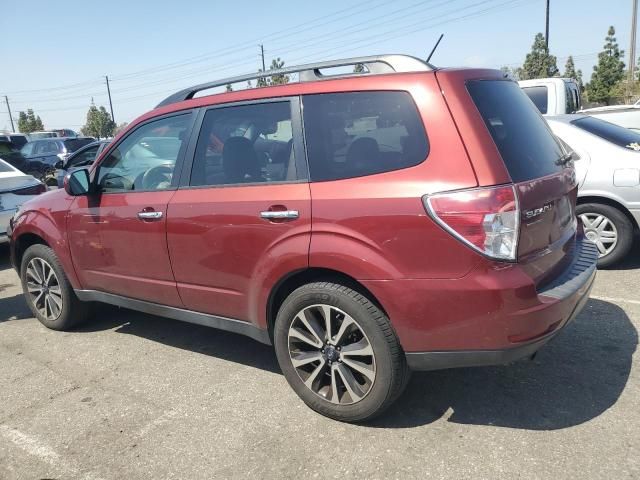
{"x": 539, "y": 63}
{"x": 359, "y": 68}
{"x": 514, "y": 73}
{"x": 99, "y": 123}
{"x": 571, "y": 72}
{"x": 229, "y": 87}
{"x": 276, "y": 64}
{"x": 608, "y": 72}
{"x": 28, "y": 122}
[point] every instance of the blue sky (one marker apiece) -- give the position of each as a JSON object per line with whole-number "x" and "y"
{"x": 150, "y": 49}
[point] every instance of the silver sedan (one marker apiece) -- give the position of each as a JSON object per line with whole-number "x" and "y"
{"x": 607, "y": 161}
{"x": 15, "y": 189}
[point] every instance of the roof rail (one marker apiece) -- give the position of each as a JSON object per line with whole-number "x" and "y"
{"x": 309, "y": 72}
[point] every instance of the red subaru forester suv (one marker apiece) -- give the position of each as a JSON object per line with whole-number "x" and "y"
{"x": 365, "y": 224}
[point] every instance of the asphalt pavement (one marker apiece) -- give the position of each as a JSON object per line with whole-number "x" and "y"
{"x": 132, "y": 396}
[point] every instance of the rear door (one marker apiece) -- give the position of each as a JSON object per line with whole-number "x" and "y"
{"x": 242, "y": 216}
{"x": 521, "y": 142}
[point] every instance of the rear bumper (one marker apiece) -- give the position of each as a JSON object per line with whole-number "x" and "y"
{"x": 493, "y": 315}
{"x": 480, "y": 358}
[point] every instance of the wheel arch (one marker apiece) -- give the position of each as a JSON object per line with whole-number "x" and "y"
{"x": 23, "y": 242}
{"x": 610, "y": 202}
{"x": 283, "y": 288}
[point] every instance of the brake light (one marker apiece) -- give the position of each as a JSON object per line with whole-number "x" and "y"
{"x": 486, "y": 219}
{"x": 36, "y": 189}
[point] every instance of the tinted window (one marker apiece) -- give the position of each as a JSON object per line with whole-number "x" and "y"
{"x": 245, "y": 144}
{"x": 570, "y": 105}
{"x": 74, "y": 144}
{"x": 145, "y": 159}
{"x": 355, "y": 134}
{"x": 538, "y": 96}
{"x": 84, "y": 158}
{"x": 623, "y": 137}
{"x": 527, "y": 146}
{"x": 27, "y": 149}
{"x": 18, "y": 140}
{"x": 47, "y": 147}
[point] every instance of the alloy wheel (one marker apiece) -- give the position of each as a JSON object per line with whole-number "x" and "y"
{"x": 601, "y": 231}
{"x": 331, "y": 354}
{"x": 44, "y": 288}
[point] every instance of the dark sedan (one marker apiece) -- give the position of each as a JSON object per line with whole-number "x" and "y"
{"x": 82, "y": 157}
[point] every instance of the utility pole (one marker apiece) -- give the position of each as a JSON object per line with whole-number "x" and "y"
{"x": 13, "y": 128}
{"x": 264, "y": 68}
{"x": 546, "y": 36}
{"x": 110, "y": 104}
{"x": 632, "y": 47}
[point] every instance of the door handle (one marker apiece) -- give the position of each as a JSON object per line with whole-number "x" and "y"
{"x": 149, "y": 215}
{"x": 280, "y": 214}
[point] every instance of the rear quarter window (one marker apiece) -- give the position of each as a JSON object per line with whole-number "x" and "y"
{"x": 362, "y": 133}
{"x": 525, "y": 142}
{"x": 539, "y": 96}
{"x": 75, "y": 143}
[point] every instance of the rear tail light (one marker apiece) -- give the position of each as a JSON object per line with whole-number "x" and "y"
{"x": 36, "y": 189}
{"x": 486, "y": 219}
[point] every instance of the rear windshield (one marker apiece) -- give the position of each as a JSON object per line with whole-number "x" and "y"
{"x": 623, "y": 137}
{"x": 74, "y": 144}
{"x": 18, "y": 140}
{"x": 538, "y": 96}
{"x": 527, "y": 146}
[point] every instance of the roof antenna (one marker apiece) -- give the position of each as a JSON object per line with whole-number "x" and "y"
{"x": 434, "y": 47}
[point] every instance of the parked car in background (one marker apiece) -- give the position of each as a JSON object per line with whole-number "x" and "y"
{"x": 83, "y": 157}
{"x": 56, "y": 133}
{"x": 401, "y": 232}
{"x": 39, "y": 157}
{"x": 627, "y": 116}
{"x": 15, "y": 189}
{"x": 607, "y": 162}
{"x": 17, "y": 139}
{"x": 553, "y": 96}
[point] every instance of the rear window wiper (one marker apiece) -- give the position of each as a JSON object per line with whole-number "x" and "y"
{"x": 564, "y": 159}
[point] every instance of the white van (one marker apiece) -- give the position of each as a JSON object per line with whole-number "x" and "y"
{"x": 553, "y": 96}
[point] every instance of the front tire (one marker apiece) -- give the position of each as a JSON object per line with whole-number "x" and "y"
{"x": 48, "y": 291}
{"x": 338, "y": 352}
{"x": 609, "y": 229}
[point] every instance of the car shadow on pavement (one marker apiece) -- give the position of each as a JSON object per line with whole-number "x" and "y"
{"x": 195, "y": 338}
{"x": 14, "y": 307}
{"x": 575, "y": 378}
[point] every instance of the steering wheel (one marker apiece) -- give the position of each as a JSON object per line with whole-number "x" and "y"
{"x": 158, "y": 178}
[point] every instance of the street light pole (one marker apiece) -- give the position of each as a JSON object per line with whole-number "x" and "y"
{"x": 546, "y": 36}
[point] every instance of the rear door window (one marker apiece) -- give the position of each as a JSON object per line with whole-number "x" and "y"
{"x": 623, "y": 137}
{"x": 76, "y": 143}
{"x": 539, "y": 96}
{"x": 362, "y": 133}
{"x": 527, "y": 146}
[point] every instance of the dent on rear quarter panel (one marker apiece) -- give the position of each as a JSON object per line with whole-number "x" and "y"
{"x": 376, "y": 227}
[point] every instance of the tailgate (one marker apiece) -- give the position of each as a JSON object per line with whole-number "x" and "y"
{"x": 545, "y": 183}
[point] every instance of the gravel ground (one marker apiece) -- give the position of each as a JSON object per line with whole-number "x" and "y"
{"x": 133, "y": 396}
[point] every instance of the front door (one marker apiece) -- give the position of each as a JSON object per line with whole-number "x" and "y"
{"x": 118, "y": 234}
{"x": 242, "y": 219}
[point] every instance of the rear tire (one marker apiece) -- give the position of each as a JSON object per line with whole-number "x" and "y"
{"x": 351, "y": 374}
{"x": 609, "y": 228}
{"x": 48, "y": 291}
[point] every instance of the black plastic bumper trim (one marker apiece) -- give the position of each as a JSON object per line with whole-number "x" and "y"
{"x": 214, "y": 321}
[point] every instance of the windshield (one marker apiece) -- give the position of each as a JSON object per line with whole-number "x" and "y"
{"x": 623, "y": 137}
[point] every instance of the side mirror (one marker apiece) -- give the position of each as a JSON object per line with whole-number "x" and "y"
{"x": 77, "y": 182}
{"x": 59, "y": 165}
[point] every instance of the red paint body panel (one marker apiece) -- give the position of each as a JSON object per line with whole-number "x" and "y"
{"x": 116, "y": 252}
{"x": 225, "y": 256}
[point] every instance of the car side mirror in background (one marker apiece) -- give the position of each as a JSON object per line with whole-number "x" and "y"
{"x": 59, "y": 164}
{"x": 77, "y": 182}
